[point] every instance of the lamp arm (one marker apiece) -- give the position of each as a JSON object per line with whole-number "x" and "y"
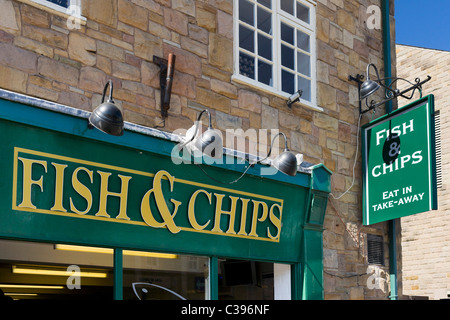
{"x": 196, "y": 128}
{"x": 368, "y": 70}
{"x": 271, "y": 146}
{"x": 110, "y": 84}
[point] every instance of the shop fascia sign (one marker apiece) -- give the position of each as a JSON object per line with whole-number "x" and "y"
{"x": 60, "y": 185}
{"x": 65, "y": 183}
{"x": 399, "y": 165}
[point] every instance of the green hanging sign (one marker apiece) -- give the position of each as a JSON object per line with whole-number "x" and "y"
{"x": 399, "y": 165}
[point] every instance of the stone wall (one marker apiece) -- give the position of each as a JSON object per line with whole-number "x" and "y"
{"x": 426, "y": 236}
{"x": 42, "y": 57}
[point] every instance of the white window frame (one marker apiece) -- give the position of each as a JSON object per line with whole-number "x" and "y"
{"x": 279, "y": 15}
{"x": 74, "y": 10}
{"x": 68, "y": 11}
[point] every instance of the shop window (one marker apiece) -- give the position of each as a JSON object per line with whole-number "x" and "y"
{"x": 246, "y": 280}
{"x": 275, "y": 46}
{"x": 53, "y": 274}
{"x": 165, "y": 277}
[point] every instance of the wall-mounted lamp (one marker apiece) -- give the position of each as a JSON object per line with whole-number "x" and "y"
{"x": 286, "y": 162}
{"x": 369, "y": 87}
{"x": 107, "y": 117}
{"x": 209, "y": 143}
{"x": 294, "y": 98}
{"x": 167, "y": 68}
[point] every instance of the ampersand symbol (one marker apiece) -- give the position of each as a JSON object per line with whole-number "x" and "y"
{"x": 167, "y": 217}
{"x": 391, "y": 149}
{"x": 394, "y": 149}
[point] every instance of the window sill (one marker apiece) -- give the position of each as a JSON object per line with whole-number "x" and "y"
{"x": 267, "y": 89}
{"x": 62, "y": 13}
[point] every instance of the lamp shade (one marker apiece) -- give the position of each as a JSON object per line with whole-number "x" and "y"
{"x": 367, "y": 88}
{"x": 107, "y": 117}
{"x": 210, "y": 143}
{"x": 286, "y": 162}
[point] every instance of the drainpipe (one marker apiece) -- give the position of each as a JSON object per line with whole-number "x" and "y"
{"x": 388, "y": 106}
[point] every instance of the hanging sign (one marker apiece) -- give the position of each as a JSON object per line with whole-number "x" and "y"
{"x": 399, "y": 165}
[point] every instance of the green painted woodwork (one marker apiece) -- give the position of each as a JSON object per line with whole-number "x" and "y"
{"x": 60, "y": 152}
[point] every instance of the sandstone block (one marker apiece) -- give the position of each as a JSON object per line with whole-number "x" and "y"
{"x": 12, "y": 79}
{"x": 220, "y": 52}
{"x": 8, "y": 19}
{"x": 58, "y": 71}
{"x": 224, "y": 88}
{"x": 132, "y": 14}
{"x": 147, "y": 45}
{"x": 17, "y": 58}
{"x": 104, "y": 12}
{"x": 206, "y": 19}
{"x": 46, "y": 36}
{"x": 249, "y": 101}
{"x": 185, "y": 6}
{"x": 176, "y": 21}
{"x": 82, "y": 49}
{"x": 125, "y": 71}
{"x": 326, "y": 122}
{"x": 213, "y": 100}
{"x": 92, "y": 79}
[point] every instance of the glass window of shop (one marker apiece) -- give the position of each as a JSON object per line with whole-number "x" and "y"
{"x": 245, "y": 280}
{"x": 162, "y": 276}
{"x": 32, "y": 270}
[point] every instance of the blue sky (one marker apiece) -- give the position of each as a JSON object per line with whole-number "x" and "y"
{"x": 423, "y": 23}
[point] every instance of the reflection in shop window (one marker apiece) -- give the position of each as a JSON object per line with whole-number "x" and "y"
{"x": 31, "y": 270}
{"x": 246, "y": 280}
{"x": 180, "y": 278}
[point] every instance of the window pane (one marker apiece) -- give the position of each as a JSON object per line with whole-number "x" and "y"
{"x": 287, "y": 33}
{"x": 246, "y": 65}
{"x": 246, "y": 280}
{"x": 302, "y": 12}
{"x": 246, "y": 39}
{"x": 287, "y": 82}
{"x": 305, "y": 86}
{"x": 154, "y": 278}
{"x": 265, "y": 47}
{"x": 62, "y": 3}
{"x": 265, "y": 73}
{"x": 47, "y": 271}
{"x": 287, "y": 6}
{"x": 303, "y": 41}
{"x": 303, "y": 64}
{"x": 264, "y": 21}
{"x": 267, "y": 3}
{"x": 246, "y": 12}
{"x": 287, "y": 57}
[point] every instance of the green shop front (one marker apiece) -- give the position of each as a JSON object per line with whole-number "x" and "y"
{"x": 86, "y": 215}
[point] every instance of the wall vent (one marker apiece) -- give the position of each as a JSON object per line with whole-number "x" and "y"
{"x": 375, "y": 249}
{"x": 437, "y": 124}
